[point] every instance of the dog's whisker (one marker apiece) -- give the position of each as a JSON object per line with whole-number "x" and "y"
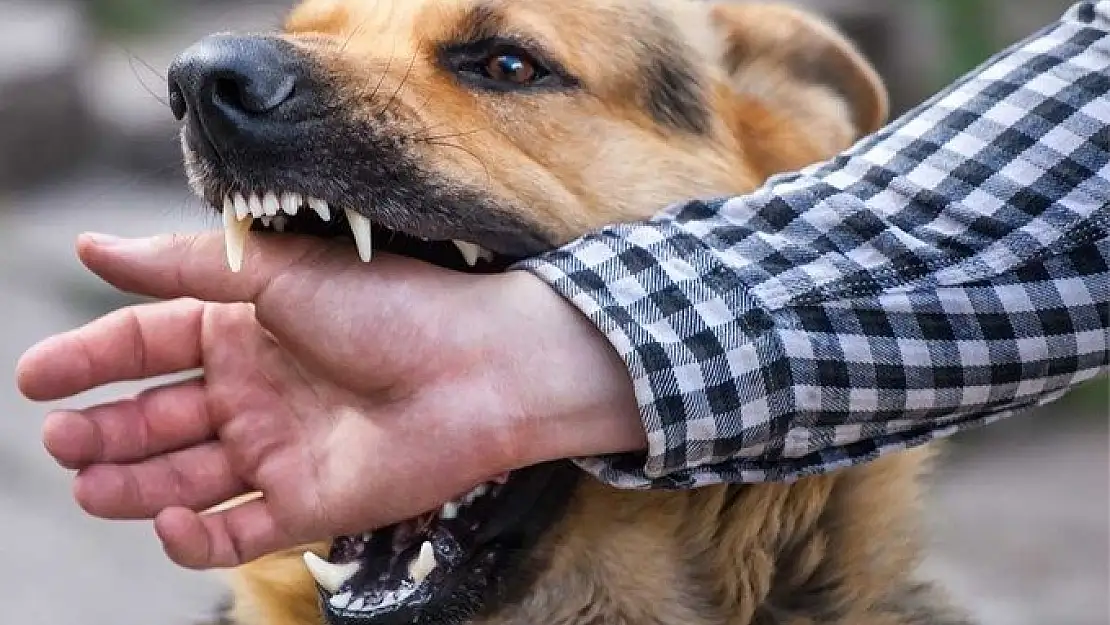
{"x": 489, "y": 177}
{"x": 385, "y": 72}
{"x": 400, "y": 86}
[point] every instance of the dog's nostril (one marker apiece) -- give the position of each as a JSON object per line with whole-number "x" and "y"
{"x": 178, "y": 104}
{"x": 254, "y": 95}
{"x": 229, "y": 87}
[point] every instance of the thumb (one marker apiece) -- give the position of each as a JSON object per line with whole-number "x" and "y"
{"x": 195, "y": 265}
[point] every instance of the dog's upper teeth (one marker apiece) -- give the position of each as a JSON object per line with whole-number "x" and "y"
{"x": 321, "y": 208}
{"x": 273, "y": 210}
{"x": 331, "y": 577}
{"x": 423, "y": 564}
{"x": 470, "y": 252}
{"x": 360, "y": 227}
{"x": 235, "y": 233}
{"x": 241, "y": 208}
{"x": 255, "y": 204}
{"x": 270, "y": 204}
{"x": 291, "y": 203}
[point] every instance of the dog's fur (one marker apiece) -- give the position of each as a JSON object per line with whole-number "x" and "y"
{"x": 679, "y": 100}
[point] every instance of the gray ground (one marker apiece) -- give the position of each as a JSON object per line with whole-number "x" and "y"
{"x": 1018, "y": 518}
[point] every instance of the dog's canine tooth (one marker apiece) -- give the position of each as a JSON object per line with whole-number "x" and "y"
{"x": 241, "y": 207}
{"x": 331, "y": 577}
{"x": 321, "y": 207}
{"x": 423, "y": 564}
{"x": 235, "y": 236}
{"x": 291, "y": 203}
{"x": 270, "y": 204}
{"x": 470, "y": 252}
{"x": 255, "y": 204}
{"x": 360, "y": 227}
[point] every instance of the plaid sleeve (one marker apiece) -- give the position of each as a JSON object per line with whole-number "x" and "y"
{"x": 943, "y": 273}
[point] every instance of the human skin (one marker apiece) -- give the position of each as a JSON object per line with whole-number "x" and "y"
{"x": 351, "y": 396}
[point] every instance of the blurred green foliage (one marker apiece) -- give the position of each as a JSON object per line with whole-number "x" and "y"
{"x": 969, "y": 30}
{"x": 124, "y": 18}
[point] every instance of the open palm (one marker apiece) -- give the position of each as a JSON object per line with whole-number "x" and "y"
{"x": 306, "y": 396}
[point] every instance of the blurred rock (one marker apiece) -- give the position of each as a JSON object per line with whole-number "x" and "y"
{"x": 44, "y": 125}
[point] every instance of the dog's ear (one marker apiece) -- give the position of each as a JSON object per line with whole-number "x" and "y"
{"x": 801, "y": 90}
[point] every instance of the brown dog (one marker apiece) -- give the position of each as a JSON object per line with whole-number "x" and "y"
{"x": 510, "y": 127}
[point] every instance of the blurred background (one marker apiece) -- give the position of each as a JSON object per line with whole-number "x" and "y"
{"x": 1018, "y": 514}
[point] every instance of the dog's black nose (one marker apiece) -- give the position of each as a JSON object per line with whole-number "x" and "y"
{"x": 230, "y": 85}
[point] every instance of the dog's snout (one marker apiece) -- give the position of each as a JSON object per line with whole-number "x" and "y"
{"x": 232, "y": 85}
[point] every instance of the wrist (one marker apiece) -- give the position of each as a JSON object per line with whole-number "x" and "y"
{"x": 570, "y": 390}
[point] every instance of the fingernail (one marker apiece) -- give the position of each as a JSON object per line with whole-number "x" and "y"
{"x": 103, "y": 239}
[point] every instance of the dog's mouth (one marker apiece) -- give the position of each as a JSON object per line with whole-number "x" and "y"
{"x": 299, "y": 213}
{"x": 450, "y": 564}
{"x": 466, "y": 557}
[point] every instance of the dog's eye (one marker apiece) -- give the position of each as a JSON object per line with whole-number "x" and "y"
{"x": 501, "y": 66}
{"x": 512, "y": 68}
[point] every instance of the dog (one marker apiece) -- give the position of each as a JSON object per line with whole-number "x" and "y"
{"x": 474, "y": 133}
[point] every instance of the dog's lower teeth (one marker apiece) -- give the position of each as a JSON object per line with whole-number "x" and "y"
{"x": 280, "y": 222}
{"x": 450, "y": 511}
{"x": 473, "y": 495}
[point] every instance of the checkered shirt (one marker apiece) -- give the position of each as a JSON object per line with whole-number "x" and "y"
{"x": 942, "y": 274}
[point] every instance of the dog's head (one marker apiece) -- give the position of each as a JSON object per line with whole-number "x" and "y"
{"x": 508, "y": 127}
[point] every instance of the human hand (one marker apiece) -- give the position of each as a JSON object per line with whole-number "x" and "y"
{"x": 351, "y": 396}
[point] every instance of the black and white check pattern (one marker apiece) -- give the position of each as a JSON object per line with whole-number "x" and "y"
{"x": 942, "y": 274}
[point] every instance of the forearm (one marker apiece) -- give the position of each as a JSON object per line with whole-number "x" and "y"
{"x": 949, "y": 270}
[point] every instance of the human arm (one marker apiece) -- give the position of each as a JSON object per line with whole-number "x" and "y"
{"x": 948, "y": 271}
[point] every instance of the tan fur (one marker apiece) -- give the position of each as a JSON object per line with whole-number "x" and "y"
{"x": 784, "y": 90}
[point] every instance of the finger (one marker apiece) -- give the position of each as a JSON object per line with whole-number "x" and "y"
{"x": 226, "y": 539}
{"x": 157, "y": 421}
{"x": 134, "y": 343}
{"x": 195, "y": 265}
{"x": 196, "y": 478}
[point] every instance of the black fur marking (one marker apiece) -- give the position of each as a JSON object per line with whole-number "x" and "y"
{"x": 482, "y": 21}
{"x": 318, "y": 146}
{"x": 674, "y": 94}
